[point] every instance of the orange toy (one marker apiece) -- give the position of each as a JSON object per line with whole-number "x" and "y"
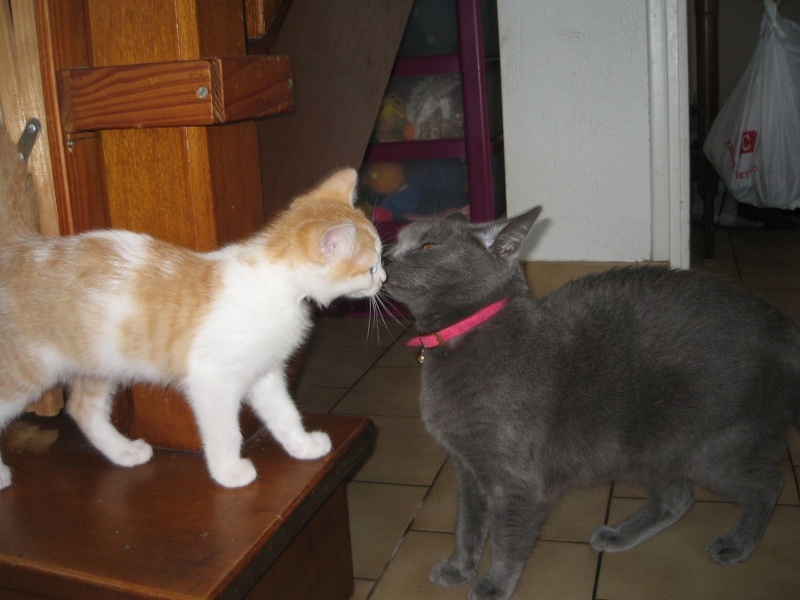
{"x": 386, "y": 177}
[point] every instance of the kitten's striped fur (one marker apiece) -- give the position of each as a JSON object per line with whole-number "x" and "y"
{"x": 109, "y": 307}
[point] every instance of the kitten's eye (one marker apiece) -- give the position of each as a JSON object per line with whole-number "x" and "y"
{"x": 428, "y": 246}
{"x": 373, "y": 269}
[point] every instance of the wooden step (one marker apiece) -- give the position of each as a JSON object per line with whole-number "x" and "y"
{"x": 74, "y": 526}
{"x": 207, "y": 91}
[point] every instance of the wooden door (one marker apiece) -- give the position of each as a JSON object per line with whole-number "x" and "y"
{"x": 21, "y": 99}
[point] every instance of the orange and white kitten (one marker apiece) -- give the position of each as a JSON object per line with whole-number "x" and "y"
{"x": 109, "y": 307}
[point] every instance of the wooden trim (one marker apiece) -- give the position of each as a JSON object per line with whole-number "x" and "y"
{"x": 208, "y": 91}
{"x": 22, "y": 98}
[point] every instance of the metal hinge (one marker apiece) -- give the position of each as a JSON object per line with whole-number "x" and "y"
{"x": 28, "y": 138}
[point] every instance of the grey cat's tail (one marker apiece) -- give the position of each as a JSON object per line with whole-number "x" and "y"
{"x": 18, "y": 208}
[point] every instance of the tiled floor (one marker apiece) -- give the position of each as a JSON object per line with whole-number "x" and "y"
{"x": 402, "y": 500}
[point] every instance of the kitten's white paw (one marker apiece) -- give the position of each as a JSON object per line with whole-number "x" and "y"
{"x": 131, "y": 454}
{"x": 312, "y": 445}
{"x": 235, "y": 474}
{"x": 5, "y": 476}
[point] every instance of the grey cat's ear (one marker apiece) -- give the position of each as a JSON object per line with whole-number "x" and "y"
{"x": 338, "y": 242}
{"x": 505, "y": 238}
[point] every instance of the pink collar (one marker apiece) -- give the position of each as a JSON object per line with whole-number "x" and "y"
{"x": 434, "y": 340}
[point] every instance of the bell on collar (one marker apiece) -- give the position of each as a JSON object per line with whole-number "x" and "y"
{"x": 421, "y": 356}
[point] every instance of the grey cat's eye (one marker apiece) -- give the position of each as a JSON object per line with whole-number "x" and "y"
{"x": 428, "y": 246}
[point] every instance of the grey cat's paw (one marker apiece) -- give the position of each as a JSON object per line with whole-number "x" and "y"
{"x": 484, "y": 589}
{"x": 447, "y": 574}
{"x": 607, "y": 539}
{"x": 725, "y": 551}
{"x": 235, "y": 474}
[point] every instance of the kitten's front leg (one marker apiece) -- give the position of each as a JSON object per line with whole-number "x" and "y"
{"x": 275, "y": 407}
{"x": 472, "y": 526}
{"x": 216, "y": 408}
{"x": 89, "y": 405}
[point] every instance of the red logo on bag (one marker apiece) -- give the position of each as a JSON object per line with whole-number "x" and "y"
{"x": 748, "y": 142}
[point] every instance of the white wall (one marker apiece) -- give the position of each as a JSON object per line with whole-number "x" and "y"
{"x": 594, "y": 110}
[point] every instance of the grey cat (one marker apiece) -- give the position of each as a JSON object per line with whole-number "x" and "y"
{"x": 662, "y": 377}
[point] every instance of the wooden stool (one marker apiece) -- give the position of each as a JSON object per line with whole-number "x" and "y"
{"x": 74, "y": 526}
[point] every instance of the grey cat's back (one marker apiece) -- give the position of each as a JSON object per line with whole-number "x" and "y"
{"x": 668, "y": 316}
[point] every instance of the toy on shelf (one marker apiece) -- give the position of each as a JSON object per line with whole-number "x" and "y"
{"x": 421, "y": 108}
{"x": 430, "y": 190}
{"x": 391, "y": 123}
{"x": 435, "y": 109}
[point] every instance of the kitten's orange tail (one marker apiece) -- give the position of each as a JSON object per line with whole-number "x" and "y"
{"x": 18, "y": 208}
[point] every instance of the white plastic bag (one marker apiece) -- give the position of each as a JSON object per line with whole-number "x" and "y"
{"x": 754, "y": 143}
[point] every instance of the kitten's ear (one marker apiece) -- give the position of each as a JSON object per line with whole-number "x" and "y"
{"x": 505, "y": 238}
{"x": 339, "y": 186}
{"x": 338, "y": 242}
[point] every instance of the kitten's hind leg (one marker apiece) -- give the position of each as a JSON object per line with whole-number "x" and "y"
{"x": 275, "y": 407}
{"x": 663, "y": 509}
{"x": 8, "y": 411}
{"x": 757, "y": 499}
{"x": 89, "y": 405}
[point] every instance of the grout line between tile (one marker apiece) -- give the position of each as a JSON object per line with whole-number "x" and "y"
{"x": 410, "y": 528}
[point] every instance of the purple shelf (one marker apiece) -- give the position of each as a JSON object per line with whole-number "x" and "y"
{"x": 425, "y": 66}
{"x": 477, "y": 146}
{"x": 416, "y": 150}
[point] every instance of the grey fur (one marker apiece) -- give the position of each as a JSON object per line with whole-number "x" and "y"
{"x": 666, "y": 378}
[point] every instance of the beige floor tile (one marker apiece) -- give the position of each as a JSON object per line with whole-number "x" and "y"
{"x": 674, "y": 564}
{"x": 384, "y": 391}
{"x": 766, "y": 246}
{"x": 379, "y": 516}
{"x": 787, "y": 300}
{"x": 769, "y": 276}
{"x": 406, "y": 577}
{"x": 362, "y": 589}
{"x": 794, "y": 446}
{"x": 722, "y": 242}
{"x": 576, "y": 515}
{"x": 317, "y": 400}
{"x": 720, "y": 265}
{"x": 357, "y": 332}
{"x": 399, "y": 355}
{"x": 789, "y": 494}
{"x": 438, "y": 512}
{"x": 557, "y": 571}
{"x": 330, "y": 366}
{"x": 404, "y": 453}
